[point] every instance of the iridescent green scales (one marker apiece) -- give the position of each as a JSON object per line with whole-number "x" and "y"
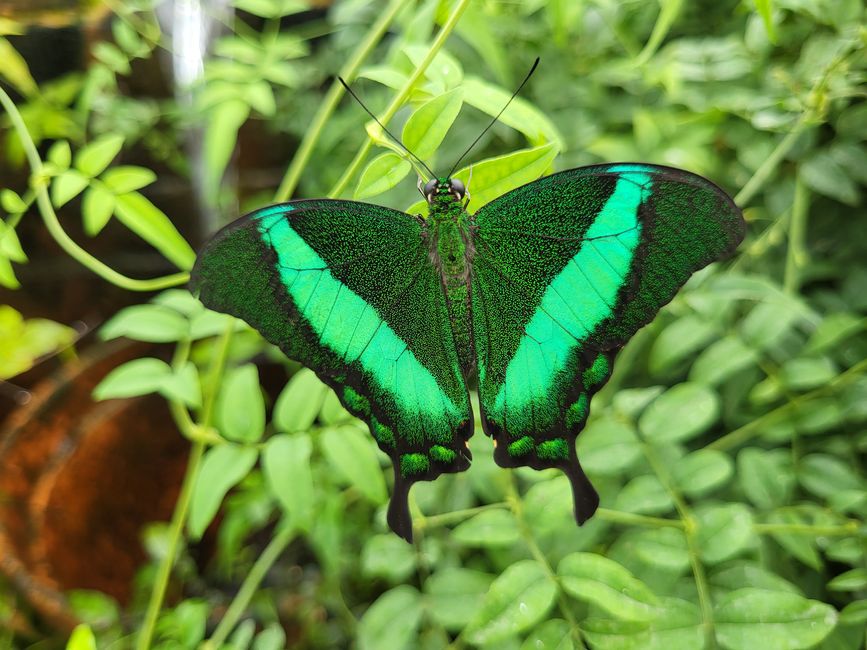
{"x": 528, "y": 300}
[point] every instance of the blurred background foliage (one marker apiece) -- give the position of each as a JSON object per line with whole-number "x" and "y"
{"x": 728, "y": 447}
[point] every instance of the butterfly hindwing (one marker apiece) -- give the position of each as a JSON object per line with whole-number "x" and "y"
{"x": 348, "y": 289}
{"x": 566, "y": 270}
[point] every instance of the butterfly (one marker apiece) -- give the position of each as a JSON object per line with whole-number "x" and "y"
{"x": 528, "y": 300}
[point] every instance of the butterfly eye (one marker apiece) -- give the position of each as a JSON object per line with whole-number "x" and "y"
{"x": 457, "y": 188}
{"x": 429, "y": 188}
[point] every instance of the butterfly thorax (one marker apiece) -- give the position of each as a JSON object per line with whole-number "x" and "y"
{"x": 451, "y": 251}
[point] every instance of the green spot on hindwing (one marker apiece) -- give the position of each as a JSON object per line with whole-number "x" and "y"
{"x": 383, "y": 434}
{"x": 553, "y": 449}
{"x": 442, "y": 454}
{"x": 597, "y": 373}
{"x": 413, "y": 464}
{"x": 521, "y": 447}
{"x": 356, "y": 402}
{"x": 577, "y": 413}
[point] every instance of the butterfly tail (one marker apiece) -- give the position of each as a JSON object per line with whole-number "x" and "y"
{"x": 399, "y": 519}
{"x": 585, "y": 499}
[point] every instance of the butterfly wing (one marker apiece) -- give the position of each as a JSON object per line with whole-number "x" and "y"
{"x": 348, "y": 290}
{"x": 566, "y": 270}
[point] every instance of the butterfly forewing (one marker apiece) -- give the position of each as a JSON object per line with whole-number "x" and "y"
{"x": 349, "y": 290}
{"x": 566, "y": 270}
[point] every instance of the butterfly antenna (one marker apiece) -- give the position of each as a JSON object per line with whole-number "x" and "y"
{"x": 493, "y": 121}
{"x": 382, "y": 126}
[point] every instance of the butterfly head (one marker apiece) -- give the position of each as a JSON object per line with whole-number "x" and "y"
{"x": 444, "y": 187}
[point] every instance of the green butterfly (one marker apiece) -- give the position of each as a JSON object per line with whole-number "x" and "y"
{"x": 529, "y": 299}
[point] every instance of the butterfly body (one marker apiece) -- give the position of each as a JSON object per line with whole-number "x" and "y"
{"x": 527, "y": 300}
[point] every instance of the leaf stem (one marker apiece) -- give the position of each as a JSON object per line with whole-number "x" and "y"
{"x": 796, "y": 251}
{"x": 179, "y": 517}
{"x": 285, "y": 534}
{"x": 332, "y": 98}
{"x": 53, "y": 224}
{"x": 763, "y": 173}
{"x": 690, "y": 526}
{"x": 401, "y": 96}
{"x": 632, "y": 519}
{"x": 753, "y": 428}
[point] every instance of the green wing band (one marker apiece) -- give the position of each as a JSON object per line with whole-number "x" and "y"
{"x": 348, "y": 289}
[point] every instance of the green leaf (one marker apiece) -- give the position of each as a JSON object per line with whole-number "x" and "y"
{"x": 605, "y": 583}
{"x": 678, "y": 341}
{"x": 112, "y": 56}
{"x": 391, "y": 622}
{"x": 387, "y": 556}
{"x": 496, "y": 176}
{"x": 723, "y": 531}
{"x": 352, "y": 454}
{"x": 801, "y": 374}
{"x": 11, "y": 202}
{"x": 445, "y": 70}
{"x": 853, "y": 580}
{"x": 223, "y": 467}
{"x": 10, "y": 245}
{"x": 722, "y": 359}
{"x": 680, "y": 413}
{"x": 801, "y": 547}
{"x": 702, "y": 471}
{"x": 520, "y": 115}
{"x": 260, "y": 96}
{"x": 299, "y": 402}
{"x": 136, "y": 377}
{"x": 127, "y": 178}
{"x": 455, "y": 595}
{"x": 855, "y": 613}
{"x": 15, "y": 69}
{"x": 286, "y": 466}
{"x": 644, "y": 495}
{"x": 427, "y": 126}
{"x": 60, "y": 155}
{"x": 240, "y": 408}
{"x": 553, "y": 634}
{"x": 607, "y": 446}
{"x": 678, "y": 627}
{"x": 518, "y": 599}
{"x": 151, "y": 323}
{"x": 834, "y": 329}
{"x": 151, "y": 224}
{"x": 184, "y": 386}
{"x": 96, "y": 208}
{"x": 7, "y": 276}
{"x": 221, "y": 134}
{"x": 765, "y": 8}
{"x": 488, "y": 529}
{"x": 67, "y": 186}
{"x": 664, "y": 548}
{"x": 765, "y": 477}
{"x": 738, "y": 574}
{"x": 81, "y": 638}
{"x": 93, "y": 158}
{"x": 823, "y": 174}
{"x": 381, "y": 174}
{"x": 756, "y": 618}
{"x": 271, "y": 638}
{"x": 827, "y": 476}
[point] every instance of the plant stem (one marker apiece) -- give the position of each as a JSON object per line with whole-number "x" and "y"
{"x": 53, "y": 224}
{"x": 456, "y": 516}
{"x": 763, "y": 173}
{"x": 631, "y": 519}
{"x": 796, "y": 252}
{"x": 179, "y": 517}
{"x": 701, "y": 583}
{"x": 843, "y": 530}
{"x": 667, "y": 15}
{"x": 329, "y": 103}
{"x": 285, "y": 534}
{"x": 401, "y": 96}
{"x": 753, "y": 428}
{"x": 517, "y": 506}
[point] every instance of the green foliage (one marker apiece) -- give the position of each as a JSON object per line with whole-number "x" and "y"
{"x": 728, "y": 445}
